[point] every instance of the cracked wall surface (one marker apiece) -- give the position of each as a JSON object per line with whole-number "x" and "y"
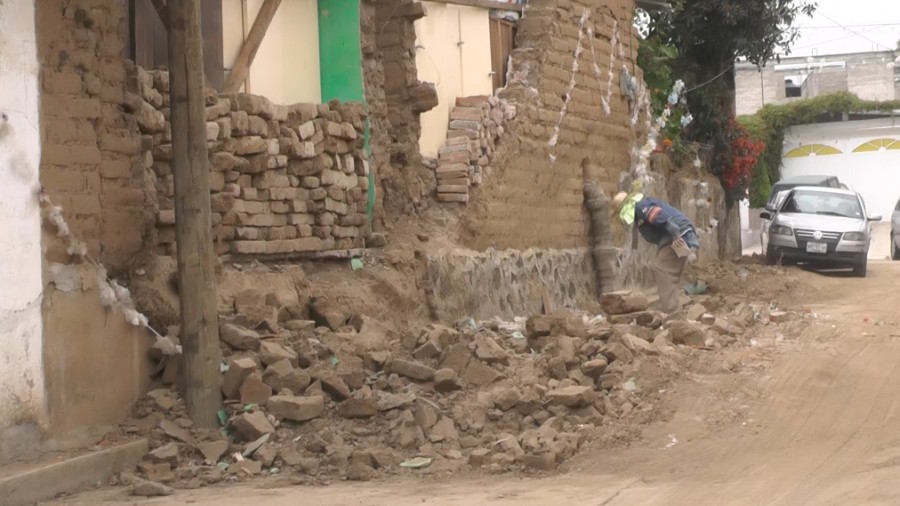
{"x": 21, "y": 370}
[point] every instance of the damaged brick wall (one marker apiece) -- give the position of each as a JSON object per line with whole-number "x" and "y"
{"x": 90, "y": 163}
{"x": 396, "y": 98}
{"x": 538, "y": 176}
{"x": 283, "y": 179}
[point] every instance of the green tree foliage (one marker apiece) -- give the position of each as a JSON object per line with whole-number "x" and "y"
{"x": 709, "y": 36}
{"x": 761, "y": 187}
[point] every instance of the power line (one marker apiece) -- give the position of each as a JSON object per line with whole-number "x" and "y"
{"x": 829, "y": 18}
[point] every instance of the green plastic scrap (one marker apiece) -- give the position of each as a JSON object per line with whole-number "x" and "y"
{"x": 223, "y": 417}
{"x": 334, "y": 361}
{"x": 417, "y": 463}
{"x": 249, "y": 407}
{"x": 356, "y": 264}
{"x": 697, "y": 288}
{"x": 518, "y": 335}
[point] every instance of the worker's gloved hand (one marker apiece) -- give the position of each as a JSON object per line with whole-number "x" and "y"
{"x": 681, "y": 248}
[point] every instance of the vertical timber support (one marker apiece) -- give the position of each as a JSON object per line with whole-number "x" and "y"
{"x": 196, "y": 259}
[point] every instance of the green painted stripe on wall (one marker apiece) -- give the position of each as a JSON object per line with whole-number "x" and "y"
{"x": 340, "y": 63}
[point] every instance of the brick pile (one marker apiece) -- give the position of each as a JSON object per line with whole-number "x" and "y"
{"x": 316, "y": 393}
{"x": 476, "y": 124}
{"x": 283, "y": 179}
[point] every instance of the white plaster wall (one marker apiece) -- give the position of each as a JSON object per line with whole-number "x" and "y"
{"x": 876, "y": 175}
{"x": 21, "y": 371}
{"x": 456, "y": 70}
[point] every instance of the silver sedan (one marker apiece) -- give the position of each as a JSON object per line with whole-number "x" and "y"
{"x": 821, "y": 226}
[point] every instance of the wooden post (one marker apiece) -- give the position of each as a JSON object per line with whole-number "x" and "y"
{"x": 196, "y": 259}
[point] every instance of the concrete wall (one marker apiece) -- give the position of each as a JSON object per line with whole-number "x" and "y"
{"x": 453, "y": 51}
{"x": 873, "y": 174}
{"x": 286, "y": 68}
{"x": 868, "y": 75}
{"x": 22, "y": 401}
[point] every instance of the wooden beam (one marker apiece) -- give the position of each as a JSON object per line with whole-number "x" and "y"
{"x": 241, "y": 67}
{"x": 201, "y": 359}
{"x": 484, "y": 4}
{"x": 160, "y": 6}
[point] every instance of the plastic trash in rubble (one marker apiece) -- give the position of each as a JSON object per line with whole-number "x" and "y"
{"x": 417, "y": 463}
{"x": 518, "y": 335}
{"x": 356, "y": 264}
{"x": 467, "y": 324}
{"x": 698, "y": 288}
{"x": 223, "y": 417}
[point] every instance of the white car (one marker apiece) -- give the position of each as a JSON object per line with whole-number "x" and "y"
{"x": 895, "y": 232}
{"x": 821, "y": 226}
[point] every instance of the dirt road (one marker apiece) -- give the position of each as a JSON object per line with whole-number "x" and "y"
{"x": 810, "y": 419}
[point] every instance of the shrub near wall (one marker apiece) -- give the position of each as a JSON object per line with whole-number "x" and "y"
{"x": 283, "y": 179}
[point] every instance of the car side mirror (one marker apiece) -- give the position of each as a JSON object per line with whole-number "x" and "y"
{"x": 875, "y": 217}
{"x": 766, "y": 215}
{"x": 770, "y": 208}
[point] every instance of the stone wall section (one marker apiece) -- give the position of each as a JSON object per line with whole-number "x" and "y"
{"x": 283, "y": 179}
{"x": 538, "y": 172}
{"x": 476, "y": 126}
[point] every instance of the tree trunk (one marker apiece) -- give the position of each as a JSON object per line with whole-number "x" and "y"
{"x": 196, "y": 259}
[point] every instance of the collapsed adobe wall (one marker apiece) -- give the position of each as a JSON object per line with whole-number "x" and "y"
{"x": 283, "y": 179}
{"x": 396, "y": 98}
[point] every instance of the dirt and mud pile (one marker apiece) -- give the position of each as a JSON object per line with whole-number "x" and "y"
{"x": 318, "y": 393}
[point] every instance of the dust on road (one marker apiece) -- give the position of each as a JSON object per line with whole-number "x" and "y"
{"x": 812, "y": 419}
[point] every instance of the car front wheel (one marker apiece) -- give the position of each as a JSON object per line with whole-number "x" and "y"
{"x": 771, "y": 255}
{"x": 860, "y": 269}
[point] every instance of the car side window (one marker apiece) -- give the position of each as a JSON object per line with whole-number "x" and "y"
{"x": 897, "y": 208}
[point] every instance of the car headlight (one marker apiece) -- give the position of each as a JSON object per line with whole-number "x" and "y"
{"x": 781, "y": 230}
{"x": 855, "y": 236}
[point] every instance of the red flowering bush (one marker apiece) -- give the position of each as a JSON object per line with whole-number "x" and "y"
{"x": 738, "y": 155}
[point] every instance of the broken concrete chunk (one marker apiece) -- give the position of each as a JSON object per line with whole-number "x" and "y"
{"x": 572, "y": 397}
{"x": 456, "y": 358}
{"x": 239, "y": 338}
{"x": 479, "y": 374}
{"x": 487, "y": 350}
{"x": 175, "y": 431}
{"x": 166, "y": 453}
{"x": 213, "y": 450}
{"x": 271, "y": 352}
{"x": 297, "y": 409}
{"x": 687, "y": 333}
{"x": 619, "y": 303}
{"x": 694, "y": 312}
{"x": 334, "y": 386}
{"x": 388, "y": 401}
{"x": 254, "y": 391}
{"x": 506, "y": 398}
{"x": 365, "y": 407}
{"x": 538, "y": 326}
{"x": 238, "y": 370}
{"x": 327, "y": 314}
{"x": 427, "y": 413}
{"x": 252, "y": 426}
{"x": 443, "y": 431}
{"x": 445, "y": 381}
{"x": 649, "y": 319}
{"x": 412, "y": 370}
{"x": 617, "y": 352}
{"x": 372, "y": 335}
{"x": 430, "y": 349}
{"x": 594, "y": 368}
{"x": 282, "y": 374}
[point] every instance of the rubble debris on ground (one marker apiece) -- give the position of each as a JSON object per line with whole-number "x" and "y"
{"x": 317, "y": 393}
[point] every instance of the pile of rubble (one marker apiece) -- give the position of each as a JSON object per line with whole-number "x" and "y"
{"x": 476, "y": 124}
{"x": 340, "y": 395}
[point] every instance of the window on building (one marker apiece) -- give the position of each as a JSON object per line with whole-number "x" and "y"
{"x": 792, "y": 89}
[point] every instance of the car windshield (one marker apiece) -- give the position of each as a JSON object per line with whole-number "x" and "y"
{"x": 824, "y": 203}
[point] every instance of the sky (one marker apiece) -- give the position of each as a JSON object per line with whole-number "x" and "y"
{"x": 849, "y": 26}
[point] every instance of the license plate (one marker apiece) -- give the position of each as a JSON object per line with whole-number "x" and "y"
{"x": 816, "y": 247}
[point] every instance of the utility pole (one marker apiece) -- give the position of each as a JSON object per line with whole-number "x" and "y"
{"x": 196, "y": 258}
